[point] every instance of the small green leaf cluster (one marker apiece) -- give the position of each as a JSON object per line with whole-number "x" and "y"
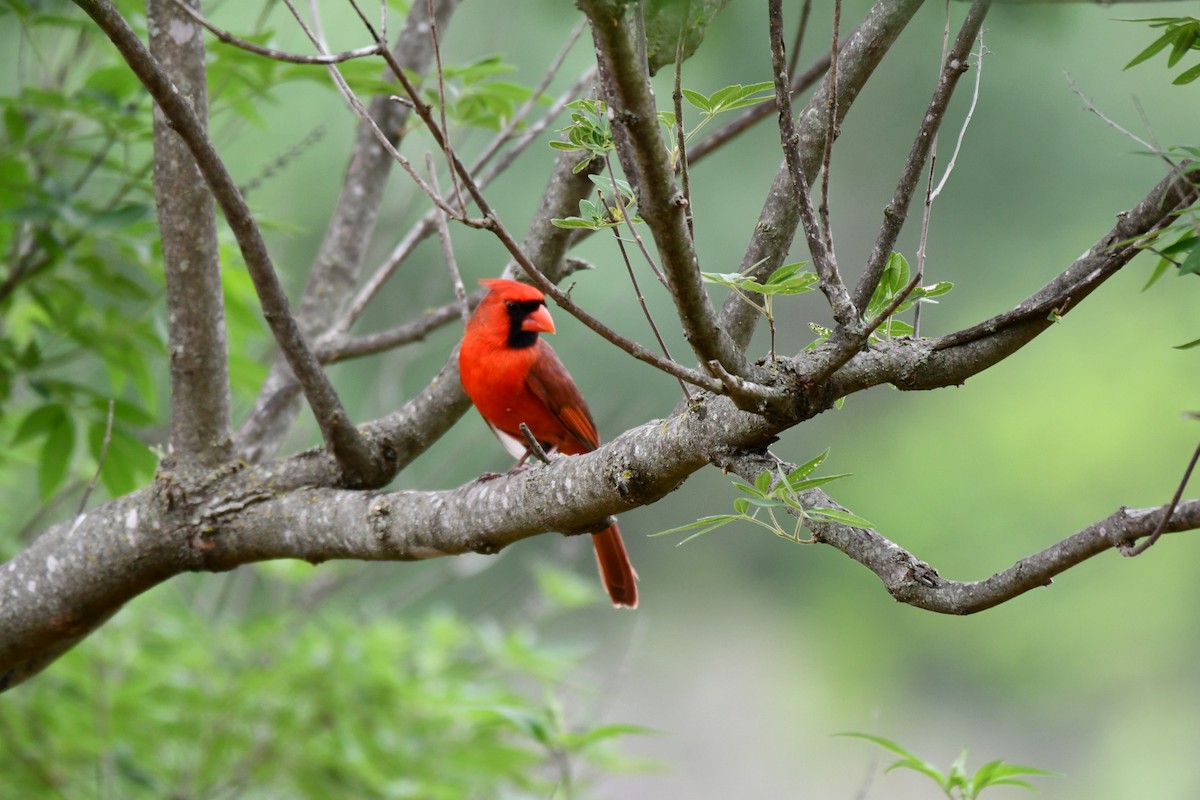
{"x": 788, "y": 279}
{"x": 775, "y": 491}
{"x": 956, "y": 783}
{"x": 1181, "y": 35}
{"x": 588, "y": 133}
{"x": 730, "y": 98}
{"x": 610, "y": 209}
{"x": 896, "y": 275}
{"x": 474, "y": 98}
{"x": 1184, "y": 252}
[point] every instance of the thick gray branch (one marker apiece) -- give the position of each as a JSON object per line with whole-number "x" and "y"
{"x": 660, "y": 202}
{"x": 360, "y": 465}
{"x": 912, "y": 581}
{"x": 200, "y": 417}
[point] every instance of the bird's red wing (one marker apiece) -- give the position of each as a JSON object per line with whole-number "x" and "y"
{"x": 550, "y": 382}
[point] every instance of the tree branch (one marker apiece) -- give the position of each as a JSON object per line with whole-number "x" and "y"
{"x": 896, "y": 213}
{"x": 360, "y": 465}
{"x": 200, "y": 417}
{"x": 631, "y": 107}
{"x": 820, "y": 244}
{"x": 337, "y": 267}
{"x": 775, "y": 229}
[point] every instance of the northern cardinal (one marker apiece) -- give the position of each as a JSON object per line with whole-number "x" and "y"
{"x": 513, "y": 376}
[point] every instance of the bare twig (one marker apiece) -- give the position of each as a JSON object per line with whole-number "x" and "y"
{"x": 822, "y": 256}
{"x": 103, "y": 454}
{"x": 268, "y": 52}
{"x": 361, "y": 111}
{"x": 641, "y": 298}
{"x": 962, "y": 131}
{"x": 677, "y": 99}
{"x": 441, "y": 87}
{"x": 797, "y": 42}
{"x": 1166, "y": 519}
{"x": 460, "y": 293}
{"x": 532, "y": 446}
{"x": 830, "y": 128}
{"x": 427, "y": 224}
{"x": 337, "y": 349}
{"x": 896, "y": 213}
{"x": 1088, "y": 105}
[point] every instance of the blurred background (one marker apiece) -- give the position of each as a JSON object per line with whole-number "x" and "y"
{"x": 749, "y": 653}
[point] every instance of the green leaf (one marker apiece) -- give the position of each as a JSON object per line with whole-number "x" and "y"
{"x": 715, "y": 521}
{"x": 807, "y": 468}
{"x": 1188, "y": 346}
{"x": 741, "y": 504}
{"x": 907, "y": 761}
{"x": 40, "y": 422}
{"x": 1191, "y": 264}
{"x": 698, "y": 100}
{"x": 574, "y": 222}
{"x": 57, "y": 453}
{"x": 1153, "y": 49}
{"x": 1187, "y": 76}
{"x": 1184, "y": 38}
{"x": 837, "y": 515}
{"x": 763, "y": 481}
{"x": 15, "y": 125}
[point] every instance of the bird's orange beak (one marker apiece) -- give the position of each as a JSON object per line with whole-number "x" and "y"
{"x": 539, "y": 321}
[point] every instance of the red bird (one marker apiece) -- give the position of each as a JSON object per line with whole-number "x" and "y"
{"x": 513, "y": 376}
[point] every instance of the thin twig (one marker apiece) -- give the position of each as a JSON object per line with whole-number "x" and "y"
{"x": 441, "y": 87}
{"x": 962, "y": 131}
{"x": 680, "y": 143}
{"x": 361, "y": 111}
{"x": 91, "y": 487}
{"x": 926, "y": 214}
{"x": 822, "y": 256}
{"x": 927, "y": 210}
{"x": 532, "y": 446}
{"x": 443, "y": 228}
{"x": 275, "y": 55}
{"x": 641, "y": 298}
{"x": 896, "y": 213}
{"x": 427, "y": 224}
{"x": 805, "y": 10}
{"x": 336, "y": 348}
{"x": 625, "y": 217}
{"x": 1088, "y": 105}
{"x": 830, "y": 128}
{"x": 1162, "y": 526}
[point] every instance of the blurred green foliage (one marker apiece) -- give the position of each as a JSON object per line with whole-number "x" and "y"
{"x": 170, "y": 702}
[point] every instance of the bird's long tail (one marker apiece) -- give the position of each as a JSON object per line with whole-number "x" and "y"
{"x": 616, "y": 571}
